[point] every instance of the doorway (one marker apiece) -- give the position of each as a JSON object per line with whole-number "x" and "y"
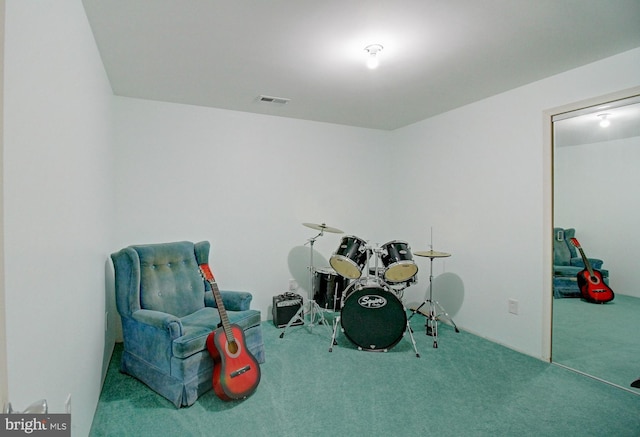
{"x": 595, "y": 156}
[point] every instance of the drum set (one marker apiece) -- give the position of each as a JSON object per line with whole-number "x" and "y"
{"x": 371, "y": 311}
{"x": 368, "y": 299}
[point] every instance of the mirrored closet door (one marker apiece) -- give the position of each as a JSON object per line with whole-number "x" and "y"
{"x": 596, "y": 171}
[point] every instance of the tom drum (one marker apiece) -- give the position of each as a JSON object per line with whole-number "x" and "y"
{"x": 397, "y": 258}
{"x": 350, "y": 257}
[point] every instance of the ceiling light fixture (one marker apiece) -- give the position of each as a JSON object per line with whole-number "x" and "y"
{"x": 604, "y": 121}
{"x": 372, "y": 58}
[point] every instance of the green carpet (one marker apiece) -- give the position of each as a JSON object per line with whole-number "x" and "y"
{"x": 466, "y": 387}
{"x": 599, "y": 339}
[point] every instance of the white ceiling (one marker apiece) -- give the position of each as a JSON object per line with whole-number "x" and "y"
{"x": 438, "y": 54}
{"x": 583, "y": 126}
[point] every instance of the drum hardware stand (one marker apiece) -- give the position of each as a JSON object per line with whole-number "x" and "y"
{"x": 413, "y": 341}
{"x": 408, "y": 329}
{"x": 431, "y": 315}
{"x": 314, "y": 308}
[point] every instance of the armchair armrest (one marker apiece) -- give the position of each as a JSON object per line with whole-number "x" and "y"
{"x": 160, "y": 320}
{"x": 595, "y": 263}
{"x": 232, "y": 300}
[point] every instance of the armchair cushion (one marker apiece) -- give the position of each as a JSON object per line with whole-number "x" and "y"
{"x": 169, "y": 279}
{"x": 198, "y": 326}
{"x": 563, "y": 251}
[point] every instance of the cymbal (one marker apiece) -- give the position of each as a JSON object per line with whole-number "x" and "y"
{"x": 323, "y": 227}
{"x": 432, "y": 254}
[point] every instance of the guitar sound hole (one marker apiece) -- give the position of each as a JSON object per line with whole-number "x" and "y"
{"x": 233, "y": 347}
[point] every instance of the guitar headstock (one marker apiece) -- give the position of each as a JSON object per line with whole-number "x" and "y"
{"x": 206, "y": 273}
{"x": 575, "y": 242}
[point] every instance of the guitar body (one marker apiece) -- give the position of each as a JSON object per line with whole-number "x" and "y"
{"x": 236, "y": 372}
{"x": 593, "y": 287}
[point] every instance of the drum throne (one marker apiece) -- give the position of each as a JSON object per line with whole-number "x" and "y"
{"x": 167, "y": 312}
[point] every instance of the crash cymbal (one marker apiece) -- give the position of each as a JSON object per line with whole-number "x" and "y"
{"x": 323, "y": 227}
{"x": 432, "y": 254}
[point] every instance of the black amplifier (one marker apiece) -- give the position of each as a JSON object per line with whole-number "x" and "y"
{"x": 285, "y": 306}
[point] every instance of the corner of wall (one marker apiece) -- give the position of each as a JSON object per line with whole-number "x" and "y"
{"x": 4, "y": 395}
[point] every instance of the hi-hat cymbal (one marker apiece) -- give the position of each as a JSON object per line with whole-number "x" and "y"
{"x": 432, "y": 254}
{"x": 323, "y": 227}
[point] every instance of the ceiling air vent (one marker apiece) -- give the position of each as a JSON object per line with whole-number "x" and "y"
{"x": 271, "y": 99}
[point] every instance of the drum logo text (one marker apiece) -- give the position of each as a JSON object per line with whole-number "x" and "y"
{"x": 372, "y": 301}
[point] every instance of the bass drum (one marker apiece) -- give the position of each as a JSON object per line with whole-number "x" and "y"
{"x": 372, "y": 317}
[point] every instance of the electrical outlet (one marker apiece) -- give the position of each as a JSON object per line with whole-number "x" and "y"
{"x": 513, "y": 306}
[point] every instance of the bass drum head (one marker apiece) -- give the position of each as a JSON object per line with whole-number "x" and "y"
{"x": 373, "y": 318}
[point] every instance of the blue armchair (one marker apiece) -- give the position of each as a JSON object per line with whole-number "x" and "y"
{"x": 567, "y": 262}
{"x": 167, "y": 312}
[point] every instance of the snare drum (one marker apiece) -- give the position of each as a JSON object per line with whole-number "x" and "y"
{"x": 350, "y": 258}
{"x": 328, "y": 287}
{"x": 396, "y": 257}
{"x": 372, "y": 317}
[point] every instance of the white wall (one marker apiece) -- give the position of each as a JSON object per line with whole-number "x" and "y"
{"x": 247, "y": 183}
{"x": 478, "y": 175}
{"x": 596, "y": 188}
{"x": 58, "y": 206}
{"x": 486, "y": 188}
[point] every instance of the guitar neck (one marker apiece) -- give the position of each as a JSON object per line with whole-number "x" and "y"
{"x": 224, "y": 319}
{"x": 221, "y": 309}
{"x": 585, "y": 260}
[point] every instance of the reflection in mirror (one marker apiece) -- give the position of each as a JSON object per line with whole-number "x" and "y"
{"x": 596, "y": 179}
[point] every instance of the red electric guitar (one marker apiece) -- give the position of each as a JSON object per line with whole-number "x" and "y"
{"x": 590, "y": 281}
{"x": 236, "y": 372}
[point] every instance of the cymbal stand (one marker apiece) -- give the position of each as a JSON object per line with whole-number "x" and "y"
{"x": 431, "y": 315}
{"x": 314, "y": 308}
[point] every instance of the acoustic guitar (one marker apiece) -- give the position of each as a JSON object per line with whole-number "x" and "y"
{"x": 236, "y": 372}
{"x": 590, "y": 281}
